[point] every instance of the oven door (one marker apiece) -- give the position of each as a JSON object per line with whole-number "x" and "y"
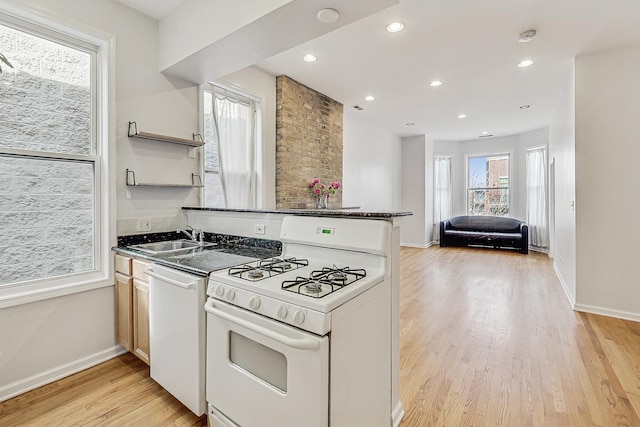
{"x": 261, "y": 372}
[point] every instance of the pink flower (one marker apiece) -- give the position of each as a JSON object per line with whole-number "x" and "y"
{"x": 320, "y": 189}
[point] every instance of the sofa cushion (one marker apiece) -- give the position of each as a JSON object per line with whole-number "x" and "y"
{"x": 484, "y": 235}
{"x": 485, "y": 223}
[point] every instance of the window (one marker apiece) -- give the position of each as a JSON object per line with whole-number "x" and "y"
{"x": 488, "y": 185}
{"x": 51, "y": 221}
{"x": 229, "y": 160}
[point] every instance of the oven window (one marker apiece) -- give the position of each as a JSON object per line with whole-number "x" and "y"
{"x": 263, "y": 362}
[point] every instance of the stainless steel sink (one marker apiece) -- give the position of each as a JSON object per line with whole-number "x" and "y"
{"x": 169, "y": 246}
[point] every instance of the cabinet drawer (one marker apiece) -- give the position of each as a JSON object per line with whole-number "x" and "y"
{"x": 123, "y": 264}
{"x": 138, "y": 269}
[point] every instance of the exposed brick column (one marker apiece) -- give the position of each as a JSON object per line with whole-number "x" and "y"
{"x": 308, "y": 143}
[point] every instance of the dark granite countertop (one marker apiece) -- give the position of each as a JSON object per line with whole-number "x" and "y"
{"x": 309, "y": 212}
{"x": 227, "y": 251}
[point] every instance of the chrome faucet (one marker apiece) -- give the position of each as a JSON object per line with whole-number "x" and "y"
{"x": 196, "y": 235}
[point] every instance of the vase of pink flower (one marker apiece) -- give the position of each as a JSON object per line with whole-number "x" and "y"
{"x": 322, "y": 192}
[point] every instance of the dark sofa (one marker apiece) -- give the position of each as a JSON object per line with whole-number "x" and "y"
{"x": 494, "y": 231}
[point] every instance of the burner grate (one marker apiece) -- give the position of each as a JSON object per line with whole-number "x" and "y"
{"x": 323, "y": 282}
{"x": 266, "y": 268}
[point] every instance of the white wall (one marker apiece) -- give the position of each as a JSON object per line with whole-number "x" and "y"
{"x": 370, "y": 165}
{"x": 159, "y": 104}
{"x": 45, "y": 340}
{"x": 607, "y": 202}
{"x": 261, "y": 84}
{"x": 562, "y": 152}
{"x": 196, "y": 24}
{"x": 417, "y": 167}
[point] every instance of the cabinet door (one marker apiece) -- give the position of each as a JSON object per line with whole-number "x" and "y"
{"x": 141, "y": 320}
{"x": 124, "y": 307}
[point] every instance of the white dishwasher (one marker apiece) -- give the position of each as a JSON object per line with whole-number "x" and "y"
{"x": 177, "y": 333}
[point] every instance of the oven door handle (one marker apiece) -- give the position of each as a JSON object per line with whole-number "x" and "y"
{"x": 297, "y": 343}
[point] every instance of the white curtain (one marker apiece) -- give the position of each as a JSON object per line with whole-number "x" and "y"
{"x": 235, "y": 122}
{"x": 442, "y": 192}
{"x": 537, "y": 216}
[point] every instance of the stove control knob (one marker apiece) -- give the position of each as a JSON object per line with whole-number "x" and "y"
{"x": 219, "y": 291}
{"x": 231, "y": 294}
{"x": 254, "y": 302}
{"x": 298, "y": 317}
{"x": 282, "y": 312}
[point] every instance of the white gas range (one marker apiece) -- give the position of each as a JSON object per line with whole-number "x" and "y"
{"x": 305, "y": 338}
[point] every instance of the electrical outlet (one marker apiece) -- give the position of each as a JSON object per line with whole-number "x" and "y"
{"x": 259, "y": 229}
{"x": 144, "y": 224}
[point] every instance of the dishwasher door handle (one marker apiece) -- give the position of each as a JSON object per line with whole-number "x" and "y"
{"x": 297, "y": 343}
{"x": 188, "y": 285}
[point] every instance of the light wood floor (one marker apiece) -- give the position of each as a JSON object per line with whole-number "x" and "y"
{"x": 487, "y": 339}
{"x": 118, "y": 392}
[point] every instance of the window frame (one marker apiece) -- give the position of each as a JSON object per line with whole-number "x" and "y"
{"x": 468, "y": 157}
{"x": 101, "y": 47}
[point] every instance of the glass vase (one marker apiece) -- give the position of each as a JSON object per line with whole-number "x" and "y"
{"x": 322, "y": 202}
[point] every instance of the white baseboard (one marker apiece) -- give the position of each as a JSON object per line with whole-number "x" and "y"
{"x": 47, "y": 377}
{"x": 413, "y": 245}
{"x": 624, "y": 315}
{"x": 565, "y": 288}
{"x": 397, "y": 414}
{"x": 602, "y": 311}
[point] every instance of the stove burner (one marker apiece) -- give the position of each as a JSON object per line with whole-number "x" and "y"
{"x": 313, "y": 287}
{"x": 337, "y": 276}
{"x": 255, "y": 274}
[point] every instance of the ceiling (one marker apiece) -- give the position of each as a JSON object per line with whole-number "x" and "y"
{"x": 471, "y": 46}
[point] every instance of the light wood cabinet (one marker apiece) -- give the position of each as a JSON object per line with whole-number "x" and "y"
{"x": 132, "y": 305}
{"x": 141, "y": 320}
{"x": 124, "y": 314}
{"x": 124, "y": 293}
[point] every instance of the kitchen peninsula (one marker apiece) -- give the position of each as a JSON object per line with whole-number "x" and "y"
{"x": 267, "y": 224}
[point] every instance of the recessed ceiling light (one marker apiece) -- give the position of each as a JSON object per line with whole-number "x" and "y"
{"x": 527, "y": 36}
{"x": 410, "y": 124}
{"x": 369, "y": 98}
{"x": 525, "y": 63}
{"x": 524, "y": 107}
{"x": 327, "y": 16}
{"x": 309, "y": 58}
{"x": 462, "y": 116}
{"x": 435, "y": 83}
{"x": 394, "y": 27}
{"x": 485, "y": 133}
